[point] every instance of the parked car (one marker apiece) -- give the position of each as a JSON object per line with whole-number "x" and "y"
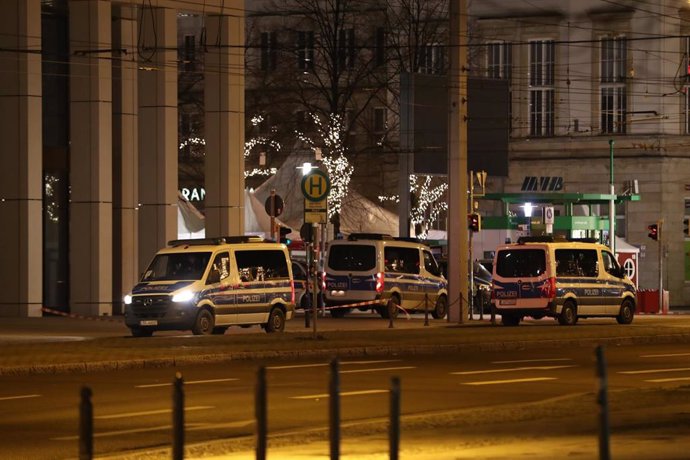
{"x": 482, "y": 284}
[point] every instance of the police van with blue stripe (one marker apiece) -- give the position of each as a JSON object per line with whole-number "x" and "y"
{"x": 370, "y": 267}
{"x": 563, "y": 279}
{"x": 208, "y": 285}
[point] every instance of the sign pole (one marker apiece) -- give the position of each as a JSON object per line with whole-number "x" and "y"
{"x": 273, "y": 214}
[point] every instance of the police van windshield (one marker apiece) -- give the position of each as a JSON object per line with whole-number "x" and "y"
{"x": 355, "y": 257}
{"x": 177, "y": 266}
{"x": 515, "y": 263}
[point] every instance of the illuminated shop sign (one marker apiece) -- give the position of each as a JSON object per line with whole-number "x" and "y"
{"x": 542, "y": 184}
{"x": 194, "y": 193}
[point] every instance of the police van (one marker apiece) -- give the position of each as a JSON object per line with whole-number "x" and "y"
{"x": 208, "y": 285}
{"x": 566, "y": 280}
{"x": 373, "y": 266}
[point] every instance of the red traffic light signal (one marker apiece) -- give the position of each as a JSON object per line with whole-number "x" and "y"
{"x": 474, "y": 222}
{"x": 653, "y": 231}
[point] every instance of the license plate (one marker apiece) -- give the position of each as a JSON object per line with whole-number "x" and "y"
{"x": 507, "y": 302}
{"x": 148, "y": 322}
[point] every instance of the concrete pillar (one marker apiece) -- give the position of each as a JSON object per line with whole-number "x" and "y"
{"x": 90, "y": 157}
{"x": 158, "y": 125}
{"x": 224, "y": 104}
{"x": 21, "y": 235}
{"x": 125, "y": 155}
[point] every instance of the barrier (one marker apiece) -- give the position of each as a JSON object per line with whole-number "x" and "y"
{"x": 648, "y": 302}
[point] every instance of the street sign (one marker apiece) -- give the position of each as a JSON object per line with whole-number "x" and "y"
{"x": 316, "y": 185}
{"x": 316, "y": 212}
{"x": 548, "y": 215}
{"x": 277, "y": 206}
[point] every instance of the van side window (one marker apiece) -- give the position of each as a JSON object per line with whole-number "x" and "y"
{"x": 401, "y": 260}
{"x": 576, "y": 262}
{"x": 220, "y": 269}
{"x": 610, "y": 264}
{"x": 430, "y": 264}
{"x": 260, "y": 265}
{"x": 512, "y": 263}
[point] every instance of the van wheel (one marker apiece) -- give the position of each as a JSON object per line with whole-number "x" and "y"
{"x": 441, "y": 308}
{"x": 568, "y": 316}
{"x": 219, "y": 330}
{"x": 204, "y": 323}
{"x": 627, "y": 313}
{"x": 276, "y": 321}
{"x": 510, "y": 320}
{"x": 141, "y": 332}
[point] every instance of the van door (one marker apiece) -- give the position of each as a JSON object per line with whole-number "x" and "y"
{"x": 264, "y": 276}
{"x": 433, "y": 281}
{"x": 613, "y": 286}
{"x": 577, "y": 270}
{"x": 403, "y": 274}
{"x": 520, "y": 278}
{"x": 351, "y": 272}
{"x": 220, "y": 291}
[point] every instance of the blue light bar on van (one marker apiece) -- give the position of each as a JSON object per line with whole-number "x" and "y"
{"x": 217, "y": 241}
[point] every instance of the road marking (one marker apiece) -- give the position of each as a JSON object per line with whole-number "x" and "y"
{"x": 381, "y": 369}
{"x": 500, "y": 382}
{"x": 9, "y": 398}
{"x": 668, "y": 355}
{"x": 346, "y": 393}
{"x": 150, "y": 412}
{"x": 678, "y": 379}
{"x": 344, "y": 363}
{"x": 514, "y": 369}
{"x": 654, "y": 371}
{"x": 531, "y": 360}
{"x": 190, "y": 382}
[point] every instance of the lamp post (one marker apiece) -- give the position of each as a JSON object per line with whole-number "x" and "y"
{"x": 612, "y": 202}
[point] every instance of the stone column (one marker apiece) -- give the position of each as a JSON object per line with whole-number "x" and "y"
{"x": 224, "y": 104}
{"x": 125, "y": 155}
{"x": 91, "y": 161}
{"x": 158, "y": 127}
{"x": 21, "y": 235}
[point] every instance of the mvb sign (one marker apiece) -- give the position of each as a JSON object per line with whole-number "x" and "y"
{"x": 542, "y": 184}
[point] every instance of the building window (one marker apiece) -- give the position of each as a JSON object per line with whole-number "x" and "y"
{"x": 346, "y": 49}
{"x": 613, "y": 84}
{"x": 499, "y": 60}
{"x": 380, "y": 56}
{"x": 541, "y": 87}
{"x": 189, "y": 56}
{"x": 380, "y": 122}
{"x": 430, "y": 59}
{"x": 268, "y": 51}
{"x": 305, "y": 50}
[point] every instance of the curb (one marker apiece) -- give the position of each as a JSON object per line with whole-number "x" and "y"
{"x": 115, "y": 365}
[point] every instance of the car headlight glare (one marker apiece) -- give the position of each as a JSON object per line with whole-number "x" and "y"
{"x": 128, "y": 299}
{"x": 184, "y": 296}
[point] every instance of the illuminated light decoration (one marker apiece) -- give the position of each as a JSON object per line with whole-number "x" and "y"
{"x": 51, "y": 203}
{"x": 428, "y": 207}
{"x": 192, "y": 141}
{"x": 253, "y": 142}
{"x": 393, "y": 198}
{"x": 334, "y": 158}
{"x": 256, "y": 120}
{"x": 260, "y": 172}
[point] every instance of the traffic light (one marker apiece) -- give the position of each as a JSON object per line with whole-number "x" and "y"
{"x": 284, "y": 232}
{"x": 653, "y": 231}
{"x": 474, "y": 222}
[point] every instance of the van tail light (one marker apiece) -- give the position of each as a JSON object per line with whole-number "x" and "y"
{"x": 379, "y": 282}
{"x": 551, "y": 288}
{"x": 323, "y": 281}
{"x": 292, "y": 291}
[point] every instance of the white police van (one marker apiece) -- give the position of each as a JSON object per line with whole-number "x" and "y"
{"x": 373, "y": 266}
{"x": 208, "y": 285}
{"x": 563, "y": 279}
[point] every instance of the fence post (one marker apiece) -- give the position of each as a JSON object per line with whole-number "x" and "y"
{"x": 261, "y": 414}
{"x": 391, "y": 306}
{"x": 602, "y": 400}
{"x": 334, "y": 410}
{"x": 178, "y": 418}
{"x": 426, "y": 309}
{"x": 394, "y": 428}
{"x": 85, "y": 425}
{"x": 460, "y": 312}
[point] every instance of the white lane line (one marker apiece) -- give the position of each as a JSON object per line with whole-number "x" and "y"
{"x": 149, "y": 412}
{"x": 654, "y": 371}
{"x": 514, "y": 369}
{"x": 346, "y": 393}
{"x": 668, "y": 355}
{"x": 188, "y": 427}
{"x": 500, "y": 382}
{"x": 531, "y": 360}
{"x": 190, "y": 382}
{"x": 380, "y": 369}
{"x": 10, "y": 398}
{"x": 344, "y": 363}
{"x": 679, "y": 379}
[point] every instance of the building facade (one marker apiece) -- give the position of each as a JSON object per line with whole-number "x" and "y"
{"x": 89, "y": 107}
{"x": 583, "y": 74}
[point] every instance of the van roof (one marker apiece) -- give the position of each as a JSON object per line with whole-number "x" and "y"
{"x": 383, "y": 237}
{"x": 218, "y": 240}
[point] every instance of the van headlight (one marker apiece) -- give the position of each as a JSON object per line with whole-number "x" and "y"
{"x": 184, "y": 296}
{"x": 128, "y": 299}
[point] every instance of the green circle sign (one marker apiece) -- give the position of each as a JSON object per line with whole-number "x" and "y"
{"x": 316, "y": 185}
